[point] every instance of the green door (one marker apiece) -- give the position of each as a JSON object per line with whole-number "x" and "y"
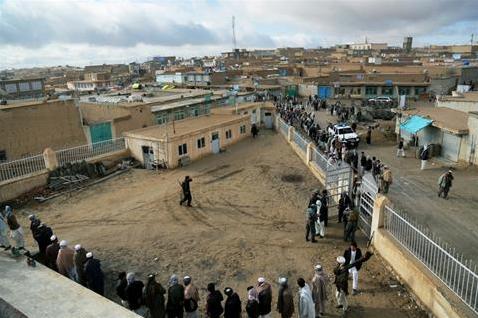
{"x": 100, "y": 132}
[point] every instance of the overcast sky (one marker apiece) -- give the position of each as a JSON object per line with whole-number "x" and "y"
{"x": 39, "y": 33}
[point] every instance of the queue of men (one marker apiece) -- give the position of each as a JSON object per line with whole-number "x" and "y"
{"x": 76, "y": 264}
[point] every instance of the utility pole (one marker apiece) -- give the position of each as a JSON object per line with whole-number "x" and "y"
{"x": 234, "y": 44}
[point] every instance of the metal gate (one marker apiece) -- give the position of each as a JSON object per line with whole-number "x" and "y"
{"x": 338, "y": 180}
{"x": 368, "y": 193}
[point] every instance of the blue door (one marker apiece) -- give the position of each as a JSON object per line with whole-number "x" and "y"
{"x": 324, "y": 92}
{"x": 100, "y": 132}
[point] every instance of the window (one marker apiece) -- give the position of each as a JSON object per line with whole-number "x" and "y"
{"x": 419, "y": 90}
{"x": 404, "y": 91}
{"x": 183, "y": 149}
{"x": 24, "y": 86}
{"x": 3, "y": 155}
{"x": 242, "y": 129}
{"x": 370, "y": 90}
{"x": 201, "y": 143}
{"x": 178, "y": 115}
{"x": 387, "y": 91}
{"x": 161, "y": 119}
{"x": 228, "y": 134}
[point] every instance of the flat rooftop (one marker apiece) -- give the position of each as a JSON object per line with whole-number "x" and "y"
{"x": 183, "y": 103}
{"x": 185, "y": 127}
{"x": 444, "y": 118}
{"x": 466, "y": 97}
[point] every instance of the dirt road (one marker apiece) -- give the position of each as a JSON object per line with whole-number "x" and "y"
{"x": 247, "y": 221}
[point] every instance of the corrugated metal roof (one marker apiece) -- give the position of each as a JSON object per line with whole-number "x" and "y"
{"x": 415, "y": 124}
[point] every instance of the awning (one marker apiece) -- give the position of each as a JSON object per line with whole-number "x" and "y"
{"x": 415, "y": 124}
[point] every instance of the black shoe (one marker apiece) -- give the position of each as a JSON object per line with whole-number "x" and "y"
{"x": 306, "y": 239}
{"x": 189, "y": 205}
{"x": 180, "y": 202}
{"x": 339, "y": 306}
{"x": 314, "y": 241}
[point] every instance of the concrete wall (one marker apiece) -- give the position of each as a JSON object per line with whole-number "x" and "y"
{"x": 14, "y": 188}
{"x": 431, "y": 292}
{"x": 27, "y": 130}
{"x": 461, "y": 105}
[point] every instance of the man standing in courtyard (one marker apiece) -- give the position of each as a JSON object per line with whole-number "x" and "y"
{"x": 424, "y": 156}
{"x": 387, "y": 179}
{"x": 400, "y": 149}
{"x": 319, "y": 290}
{"x": 186, "y": 188}
{"x": 444, "y": 184}
{"x": 351, "y": 254}
{"x": 264, "y": 294}
{"x": 285, "y": 300}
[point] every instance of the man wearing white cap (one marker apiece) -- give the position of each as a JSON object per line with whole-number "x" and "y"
{"x": 52, "y": 253}
{"x": 191, "y": 298}
{"x": 94, "y": 274}
{"x": 285, "y": 300}
{"x": 319, "y": 290}
{"x": 79, "y": 259}
{"x": 264, "y": 292}
{"x": 341, "y": 279}
{"x": 64, "y": 261}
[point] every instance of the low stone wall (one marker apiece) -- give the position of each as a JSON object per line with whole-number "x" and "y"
{"x": 14, "y": 188}
{"x": 430, "y": 291}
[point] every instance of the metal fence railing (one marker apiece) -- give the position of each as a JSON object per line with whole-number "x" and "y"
{"x": 300, "y": 141}
{"x": 19, "y": 168}
{"x": 283, "y": 127}
{"x": 444, "y": 262}
{"x": 89, "y": 151}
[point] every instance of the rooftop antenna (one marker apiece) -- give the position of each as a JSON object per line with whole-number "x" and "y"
{"x": 472, "y": 37}
{"x": 234, "y": 33}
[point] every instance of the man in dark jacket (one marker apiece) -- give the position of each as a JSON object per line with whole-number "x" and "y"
{"x": 185, "y": 186}
{"x": 94, "y": 274}
{"x": 285, "y": 300}
{"x": 213, "y": 303}
{"x": 154, "y": 297}
{"x": 341, "y": 272}
{"x": 264, "y": 292}
{"x": 232, "y": 306}
{"x": 121, "y": 287}
{"x": 344, "y": 202}
{"x": 310, "y": 220}
{"x": 252, "y": 307}
{"x": 175, "y": 305}
{"x": 351, "y": 254}
{"x": 79, "y": 259}
{"x": 324, "y": 208}
{"x": 42, "y": 235}
{"x": 52, "y": 253}
{"x": 134, "y": 292}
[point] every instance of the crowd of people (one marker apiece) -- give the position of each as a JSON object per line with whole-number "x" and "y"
{"x": 302, "y": 116}
{"x": 76, "y": 264}
{"x": 181, "y": 299}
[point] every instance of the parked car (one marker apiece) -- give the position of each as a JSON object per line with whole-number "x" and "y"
{"x": 381, "y": 100}
{"x": 345, "y": 134}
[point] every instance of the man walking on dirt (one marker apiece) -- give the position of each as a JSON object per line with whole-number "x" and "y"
{"x": 186, "y": 191}
{"x": 445, "y": 183}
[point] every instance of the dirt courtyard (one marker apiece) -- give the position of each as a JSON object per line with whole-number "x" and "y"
{"x": 247, "y": 221}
